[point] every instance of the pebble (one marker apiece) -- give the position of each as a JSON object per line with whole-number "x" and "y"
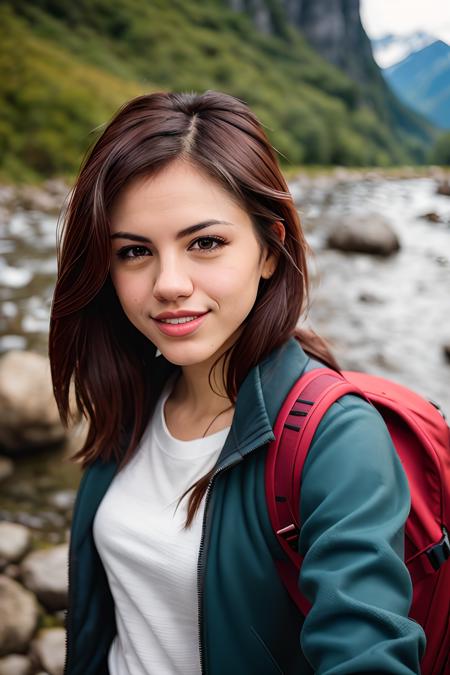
{"x": 15, "y": 664}
{"x": 49, "y": 649}
{"x": 446, "y": 350}
{"x": 63, "y": 500}
{"x": 15, "y": 540}
{"x": 6, "y": 468}
{"x": 45, "y": 573}
{"x": 19, "y": 616}
{"x": 443, "y": 188}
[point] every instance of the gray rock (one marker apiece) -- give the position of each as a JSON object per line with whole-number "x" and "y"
{"x": 28, "y": 413}
{"x": 63, "y": 500}
{"x": 45, "y": 573}
{"x": 369, "y": 234}
{"x": 446, "y": 349}
{"x": 32, "y": 198}
{"x": 15, "y": 664}
{"x": 8, "y": 195}
{"x": 52, "y": 519}
{"x": 443, "y": 188}
{"x": 6, "y": 468}
{"x": 19, "y": 612}
{"x": 34, "y": 522}
{"x": 15, "y": 540}
{"x": 22, "y": 489}
{"x": 49, "y": 649}
{"x": 370, "y": 298}
{"x": 57, "y": 188}
{"x": 12, "y": 571}
{"x": 432, "y": 217}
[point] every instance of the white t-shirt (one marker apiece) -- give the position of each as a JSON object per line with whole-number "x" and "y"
{"x": 150, "y": 560}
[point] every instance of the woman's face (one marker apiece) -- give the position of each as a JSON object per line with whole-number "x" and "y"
{"x": 185, "y": 263}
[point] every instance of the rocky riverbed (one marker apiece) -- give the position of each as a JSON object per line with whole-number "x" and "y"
{"x": 381, "y": 296}
{"x": 388, "y": 314}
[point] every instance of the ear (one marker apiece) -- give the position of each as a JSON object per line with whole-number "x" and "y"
{"x": 270, "y": 263}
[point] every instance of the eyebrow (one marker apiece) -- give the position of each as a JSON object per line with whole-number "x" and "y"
{"x": 182, "y": 233}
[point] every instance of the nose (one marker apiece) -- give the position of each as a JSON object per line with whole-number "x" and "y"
{"x": 172, "y": 280}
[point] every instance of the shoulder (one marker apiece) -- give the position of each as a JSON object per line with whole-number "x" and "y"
{"x": 354, "y": 501}
{"x": 353, "y": 429}
{"x": 352, "y": 465}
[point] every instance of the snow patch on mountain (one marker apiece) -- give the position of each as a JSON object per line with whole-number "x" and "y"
{"x": 391, "y": 49}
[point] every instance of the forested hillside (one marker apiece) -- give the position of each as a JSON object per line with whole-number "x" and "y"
{"x": 66, "y": 66}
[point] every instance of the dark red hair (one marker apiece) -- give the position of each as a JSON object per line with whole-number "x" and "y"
{"x": 92, "y": 343}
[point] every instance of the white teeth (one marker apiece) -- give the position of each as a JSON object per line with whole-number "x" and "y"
{"x": 181, "y": 319}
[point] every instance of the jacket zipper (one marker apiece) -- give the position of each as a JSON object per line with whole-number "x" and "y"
{"x": 201, "y": 563}
{"x": 68, "y": 616}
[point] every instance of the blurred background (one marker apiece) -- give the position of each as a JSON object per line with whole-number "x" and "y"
{"x": 355, "y": 97}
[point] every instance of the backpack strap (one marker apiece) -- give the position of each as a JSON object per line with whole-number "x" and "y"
{"x": 300, "y": 415}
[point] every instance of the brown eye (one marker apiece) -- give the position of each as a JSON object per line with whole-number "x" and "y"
{"x": 132, "y": 252}
{"x": 207, "y": 243}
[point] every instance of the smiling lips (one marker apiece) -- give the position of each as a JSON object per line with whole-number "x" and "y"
{"x": 179, "y": 324}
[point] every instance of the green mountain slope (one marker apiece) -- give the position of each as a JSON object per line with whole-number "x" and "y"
{"x": 66, "y": 67}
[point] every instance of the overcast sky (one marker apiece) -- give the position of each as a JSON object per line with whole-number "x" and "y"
{"x": 406, "y": 16}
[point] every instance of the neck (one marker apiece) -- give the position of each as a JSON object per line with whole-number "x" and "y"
{"x": 193, "y": 389}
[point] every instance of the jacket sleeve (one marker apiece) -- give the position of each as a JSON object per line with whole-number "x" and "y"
{"x": 353, "y": 506}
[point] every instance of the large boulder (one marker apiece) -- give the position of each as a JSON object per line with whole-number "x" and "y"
{"x": 45, "y": 573}
{"x": 371, "y": 233}
{"x": 19, "y": 616}
{"x": 28, "y": 413}
{"x": 15, "y": 540}
{"x": 49, "y": 649}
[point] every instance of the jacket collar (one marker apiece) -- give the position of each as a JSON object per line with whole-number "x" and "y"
{"x": 259, "y": 400}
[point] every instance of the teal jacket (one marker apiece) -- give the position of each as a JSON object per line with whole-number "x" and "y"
{"x": 354, "y": 503}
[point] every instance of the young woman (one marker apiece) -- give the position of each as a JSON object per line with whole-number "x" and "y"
{"x": 182, "y": 276}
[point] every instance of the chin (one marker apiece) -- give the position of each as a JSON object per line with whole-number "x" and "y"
{"x": 189, "y": 354}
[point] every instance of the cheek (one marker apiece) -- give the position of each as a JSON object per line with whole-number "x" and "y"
{"x": 235, "y": 283}
{"x": 129, "y": 288}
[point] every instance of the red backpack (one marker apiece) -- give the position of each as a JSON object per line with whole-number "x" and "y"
{"x": 421, "y": 437}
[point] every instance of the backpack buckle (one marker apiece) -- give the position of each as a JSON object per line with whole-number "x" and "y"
{"x": 290, "y": 535}
{"x": 438, "y": 408}
{"x": 440, "y": 552}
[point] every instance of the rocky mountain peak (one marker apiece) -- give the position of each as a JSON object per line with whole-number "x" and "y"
{"x": 332, "y": 27}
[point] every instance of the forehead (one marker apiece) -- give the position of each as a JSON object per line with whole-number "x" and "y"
{"x": 177, "y": 196}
